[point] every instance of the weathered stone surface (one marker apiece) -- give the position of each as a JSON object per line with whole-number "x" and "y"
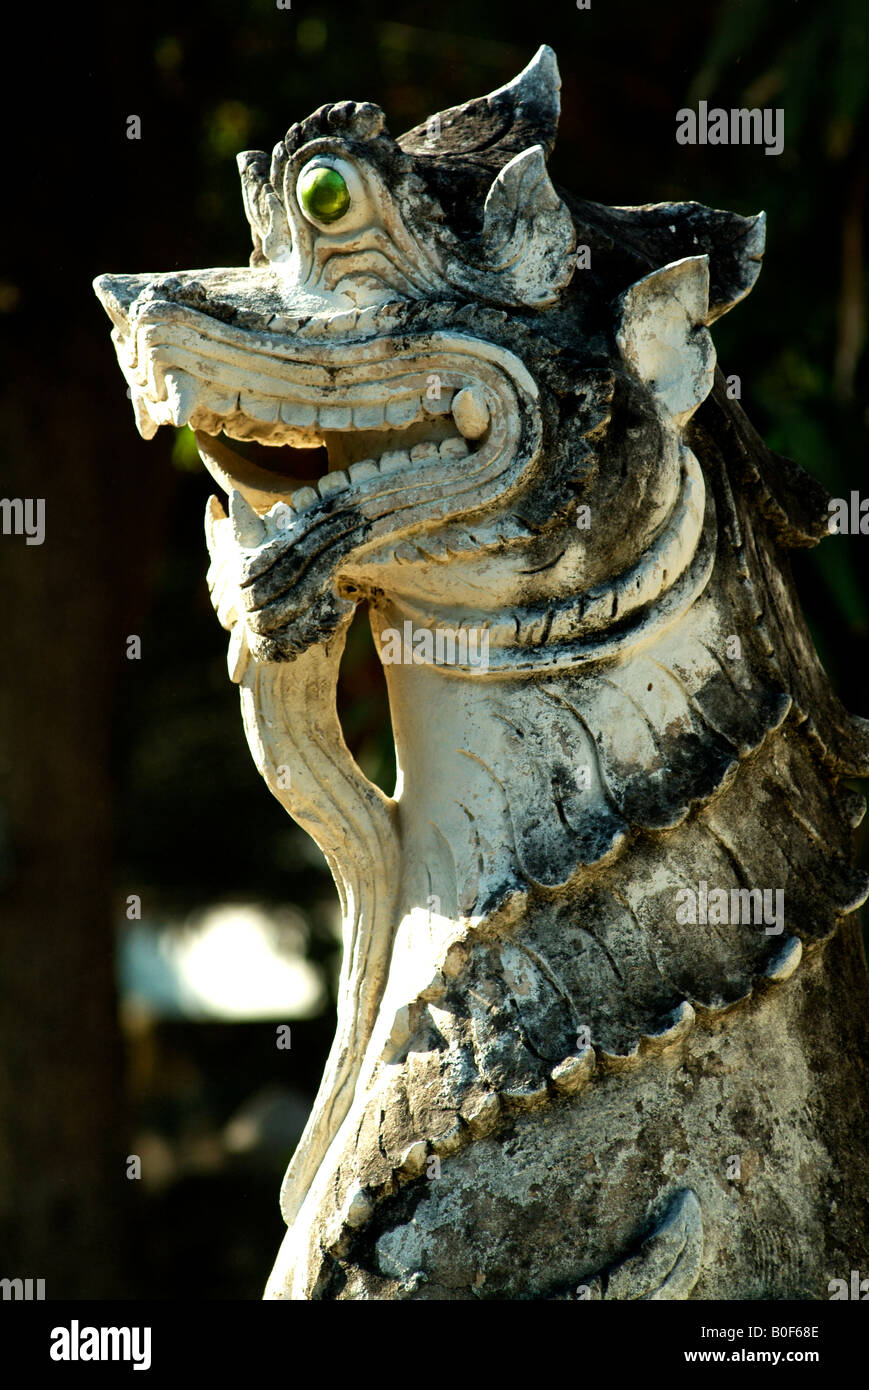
{"x": 603, "y": 1008}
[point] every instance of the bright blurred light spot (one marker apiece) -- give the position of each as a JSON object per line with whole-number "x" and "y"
{"x": 229, "y": 127}
{"x": 311, "y": 35}
{"x": 10, "y": 297}
{"x": 185, "y": 455}
{"x": 168, "y": 54}
{"x": 233, "y": 961}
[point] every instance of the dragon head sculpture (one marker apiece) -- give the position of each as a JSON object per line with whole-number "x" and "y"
{"x": 479, "y": 404}
{"x": 415, "y": 307}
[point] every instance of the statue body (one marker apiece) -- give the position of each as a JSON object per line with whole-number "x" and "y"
{"x": 602, "y": 1009}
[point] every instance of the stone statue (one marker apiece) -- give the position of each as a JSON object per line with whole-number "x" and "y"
{"x": 603, "y": 1006}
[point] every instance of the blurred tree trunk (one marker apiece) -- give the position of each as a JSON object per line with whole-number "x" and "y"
{"x": 67, "y": 607}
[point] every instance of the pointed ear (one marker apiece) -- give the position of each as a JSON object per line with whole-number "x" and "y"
{"x": 662, "y": 335}
{"x": 263, "y": 209}
{"x": 528, "y": 235}
{"x": 522, "y": 113}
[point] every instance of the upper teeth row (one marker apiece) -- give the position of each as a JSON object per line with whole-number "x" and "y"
{"x": 190, "y": 401}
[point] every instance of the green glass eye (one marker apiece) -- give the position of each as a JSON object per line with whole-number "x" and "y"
{"x": 323, "y": 194}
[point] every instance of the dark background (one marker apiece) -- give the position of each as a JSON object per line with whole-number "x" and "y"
{"x": 126, "y": 777}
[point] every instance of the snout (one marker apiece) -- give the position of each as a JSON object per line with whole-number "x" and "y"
{"x": 118, "y": 294}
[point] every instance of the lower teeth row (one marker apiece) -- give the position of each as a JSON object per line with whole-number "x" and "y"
{"x": 393, "y": 461}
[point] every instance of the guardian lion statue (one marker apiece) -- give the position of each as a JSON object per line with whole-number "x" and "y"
{"x": 603, "y": 1006}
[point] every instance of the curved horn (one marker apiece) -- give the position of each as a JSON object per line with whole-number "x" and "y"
{"x": 524, "y": 112}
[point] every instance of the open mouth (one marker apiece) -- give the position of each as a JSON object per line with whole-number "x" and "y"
{"x": 360, "y": 415}
{"x": 303, "y": 465}
{"x": 310, "y": 413}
